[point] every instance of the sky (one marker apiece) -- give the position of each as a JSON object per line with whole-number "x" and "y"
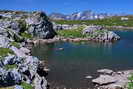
{"x": 69, "y": 6}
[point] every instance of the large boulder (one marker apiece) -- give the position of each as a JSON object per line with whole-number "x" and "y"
{"x": 40, "y": 26}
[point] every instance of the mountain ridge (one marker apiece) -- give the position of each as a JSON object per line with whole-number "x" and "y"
{"x": 83, "y": 15}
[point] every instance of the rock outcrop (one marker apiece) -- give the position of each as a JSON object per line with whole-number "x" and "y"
{"x": 18, "y": 69}
{"x": 35, "y": 24}
{"x": 98, "y": 33}
{"x": 113, "y": 80}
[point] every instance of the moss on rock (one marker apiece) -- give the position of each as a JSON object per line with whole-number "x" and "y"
{"x": 5, "y": 51}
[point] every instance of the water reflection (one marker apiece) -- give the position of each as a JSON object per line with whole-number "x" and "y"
{"x": 43, "y": 51}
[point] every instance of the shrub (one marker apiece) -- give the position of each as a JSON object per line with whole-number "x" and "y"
{"x": 130, "y": 84}
{"x": 15, "y": 44}
{"x": 26, "y": 35}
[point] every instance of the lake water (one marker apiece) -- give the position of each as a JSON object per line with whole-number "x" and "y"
{"x": 70, "y": 66}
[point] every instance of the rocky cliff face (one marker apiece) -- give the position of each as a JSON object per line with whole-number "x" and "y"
{"x": 35, "y": 24}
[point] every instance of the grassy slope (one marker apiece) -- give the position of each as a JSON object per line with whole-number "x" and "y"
{"x": 113, "y": 21}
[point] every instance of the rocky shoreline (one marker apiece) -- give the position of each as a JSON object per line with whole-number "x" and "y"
{"x": 109, "y": 79}
{"x": 18, "y": 68}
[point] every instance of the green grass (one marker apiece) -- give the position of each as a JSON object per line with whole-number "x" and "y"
{"x": 15, "y": 44}
{"x": 5, "y": 51}
{"x": 113, "y": 21}
{"x": 130, "y": 84}
{"x": 26, "y": 35}
{"x": 26, "y": 85}
{"x": 77, "y": 33}
{"x": 10, "y": 66}
{"x": 72, "y": 33}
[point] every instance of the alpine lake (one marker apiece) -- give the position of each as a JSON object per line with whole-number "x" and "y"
{"x": 70, "y": 63}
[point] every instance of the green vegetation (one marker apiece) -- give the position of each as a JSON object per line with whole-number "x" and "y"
{"x": 26, "y": 35}
{"x": 10, "y": 66}
{"x": 5, "y": 51}
{"x": 15, "y": 44}
{"x": 77, "y": 33}
{"x": 130, "y": 84}
{"x": 73, "y": 33}
{"x": 113, "y": 21}
{"x": 22, "y": 25}
{"x": 26, "y": 85}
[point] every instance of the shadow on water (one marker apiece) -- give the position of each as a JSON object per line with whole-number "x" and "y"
{"x": 70, "y": 65}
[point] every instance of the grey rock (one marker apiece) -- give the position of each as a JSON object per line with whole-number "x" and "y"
{"x": 100, "y": 34}
{"x": 18, "y": 52}
{"x": 106, "y": 71}
{"x": 88, "y": 77}
{"x": 11, "y": 59}
{"x": 4, "y": 42}
{"x": 40, "y": 82}
{"x": 10, "y": 77}
{"x": 91, "y": 29}
{"x": 29, "y": 66}
{"x": 18, "y": 87}
{"x": 35, "y": 23}
{"x": 40, "y": 26}
{"x": 25, "y": 50}
{"x": 104, "y": 79}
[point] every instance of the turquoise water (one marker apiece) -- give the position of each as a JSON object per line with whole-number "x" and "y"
{"x": 70, "y": 66}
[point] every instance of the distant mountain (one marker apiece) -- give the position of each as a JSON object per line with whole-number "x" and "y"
{"x": 57, "y": 16}
{"x": 85, "y": 15}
